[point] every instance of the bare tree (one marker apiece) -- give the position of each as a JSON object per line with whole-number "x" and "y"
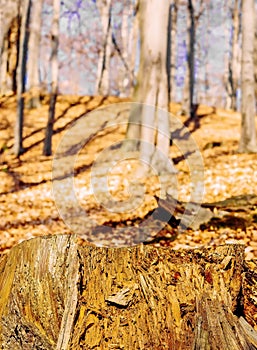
{"x": 235, "y": 59}
{"x": 10, "y": 30}
{"x": 9, "y": 45}
{"x": 150, "y": 125}
{"x": 128, "y": 49}
{"x": 248, "y": 128}
{"x": 21, "y": 75}
{"x": 232, "y": 62}
{"x": 103, "y": 71}
{"x": 255, "y": 53}
{"x": 47, "y": 150}
{"x": 34, "y": 52}
{"x": 133, "y": 46}
{"x": 172, "y": 46}
{"x": 191, "y": 56}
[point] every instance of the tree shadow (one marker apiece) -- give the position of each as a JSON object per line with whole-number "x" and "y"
{"x": 16, "y": 223}
{"x": 6, "y": 99}
{"x": 60, "y": 129}
{"x": 195, "y": 118}
{"x": 20, "y": 185}
{"x": 228, "y": 221}
{"x": 179, "y": 159}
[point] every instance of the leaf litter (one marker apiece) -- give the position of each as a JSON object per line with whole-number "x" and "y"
{"x": 28, "y": 209}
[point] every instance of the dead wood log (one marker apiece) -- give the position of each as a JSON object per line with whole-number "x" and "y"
{"x": 56, "y": 294}
{"x": 249, "y": 291}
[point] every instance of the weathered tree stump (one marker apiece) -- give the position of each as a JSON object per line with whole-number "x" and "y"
{"x": 56, "y": 294}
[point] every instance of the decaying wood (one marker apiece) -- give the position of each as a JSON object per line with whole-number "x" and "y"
{"x": 250, "y": 292}
{"x": 56, "y": 294}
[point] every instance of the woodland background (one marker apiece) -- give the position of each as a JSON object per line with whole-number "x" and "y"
{"x": 62, "y": 59}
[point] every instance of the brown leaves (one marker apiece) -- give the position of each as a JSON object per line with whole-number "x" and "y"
{"x": 27, "y": 208}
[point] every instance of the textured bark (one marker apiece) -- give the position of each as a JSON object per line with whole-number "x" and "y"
{"x": 102, "y": 84}
{"x": 56, "y": 294}
{"x": 248, "y": 128}
{"x": 9, "y": 45}
{"x": 127, "y": 50}
{"x": 255, "y": 54}
{"x": 34, "y": 53}
{"x": 235, "y": 59}
{"x": 9, "y": 57}
{"x": 47, "y": 150}
{"x": 194, "y": 14}
{"x": 173, "y": 50}
{"x": 4, "y": 65}
{"x": 191, "y": 56}
{"x": 150, "y": 124}
{"x": 133, "y": 46}
{"x": 232, "y": 58}
{"x": 250, "y": 292}
{"x": 124, "y": 77}
{"x": 21, "y": 76}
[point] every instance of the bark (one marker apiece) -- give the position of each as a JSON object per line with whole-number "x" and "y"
{"x": 249, "y": 292}
{"x": 205, "y": 53}
{"x": 148, "y": 123}
{"x": 102, "y": 84}
{"x": 3, "y": 52}
{"x": 189, "y": 106}
{"x": 47, "y": 150}
{"x": 127, "y": 51}
{"x": 10, "y": 55}
{"x": 227, "y": 81}
{"x": 34, "y": 53}
{"x": 173, "y": 50}
{"x": 231, "y": 78}
{"x": 235, "y": 59}
{"x": 9, "y": 45}
{"x": 188, "y": 89}
{"x": 133, "y": 45}
{"x": 56, "y": 294}
{"x": 124, "y": 79}
{"x": 248, "y": 128}
{"x": 21, "y": 76}
{"x": 191, "y": 57}
{"x": 255, "y": 54}
{"x": 4, "y": 64}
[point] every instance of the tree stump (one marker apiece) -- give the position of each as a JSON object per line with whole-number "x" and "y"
{"x": 57, "y": 294}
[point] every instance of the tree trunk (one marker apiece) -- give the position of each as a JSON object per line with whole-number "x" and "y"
{"x": 255, "y": 54}
{"x": 125, "y": 77}
{"x": 235, "y": 59}
{"x": 47, "y": 151}
{"x": 34, "y": 53}
{"x": 56, "y": 294}
{"x": 188, "y": 89}
{"x": 102, "y": 85}
{"x": 232, "y": 61}
{"x": 148, "y": 123}
{"x": 3, "y": 52}
{"x": 248, "y": 128}
{"x": 10, "y": 56}
{"x": 173, "y": 50}
{"x": 191, "y": 57}
{"x": 21, "y": 76}
{"x": 128, "y": 49}
{"x": 9, "y": 45}
{"x": 194, "y": 14}
{"x": 4, "y": 64}
{"x": 133, "y": 47}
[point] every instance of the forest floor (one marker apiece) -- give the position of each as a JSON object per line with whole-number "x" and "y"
{"x": 28, "y": 207}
